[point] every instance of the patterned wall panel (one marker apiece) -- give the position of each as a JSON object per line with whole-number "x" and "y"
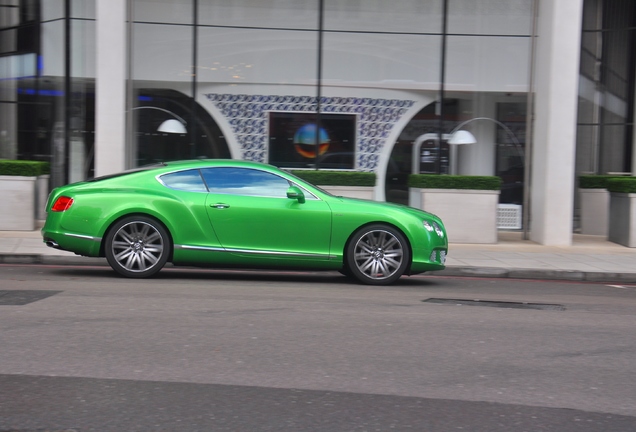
{"x": 247, "y": 115}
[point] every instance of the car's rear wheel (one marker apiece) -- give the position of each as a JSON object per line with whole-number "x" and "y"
{"x": 137, "y": 246}
{"x": 378, "y": 255}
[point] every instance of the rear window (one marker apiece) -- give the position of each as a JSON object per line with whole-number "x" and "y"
{"x": 188, "y": 180}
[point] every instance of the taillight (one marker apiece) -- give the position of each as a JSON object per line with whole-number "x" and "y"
{"x": 63, "y": 203}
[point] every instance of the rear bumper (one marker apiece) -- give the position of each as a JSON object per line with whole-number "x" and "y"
{"x": 70, "y": 242}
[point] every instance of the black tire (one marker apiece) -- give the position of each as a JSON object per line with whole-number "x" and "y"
{"x": 345, "y": 271}
{"x": 378, "y": 255}
{"x": 137, "y": 247}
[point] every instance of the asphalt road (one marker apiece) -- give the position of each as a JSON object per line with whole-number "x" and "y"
{"x": 193, "y": 350}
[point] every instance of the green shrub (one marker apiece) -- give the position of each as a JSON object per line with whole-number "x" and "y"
{"x": 596, "y": 181}
{"x": 434, "y": 181}
{"x": 622, "y": 185}
{"x": 23, "y": 168}
{"x": 336, "y": 178}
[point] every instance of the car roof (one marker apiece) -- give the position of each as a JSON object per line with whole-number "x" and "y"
{"x": 161, "y": 168}
{"x": 199, "y": 163}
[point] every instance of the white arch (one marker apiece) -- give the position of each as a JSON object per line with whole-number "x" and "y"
{"x": 422, "y": 100}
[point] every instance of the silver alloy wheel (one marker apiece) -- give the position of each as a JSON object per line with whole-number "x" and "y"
{"x": 137, "y": 246}
{"x": 378, "y": 254}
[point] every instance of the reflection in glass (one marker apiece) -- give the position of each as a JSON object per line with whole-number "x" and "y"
{"x": 163, "y": 11}
{"x": 401, "y": 16}
{"x": 289, "y": 14}
{"x": 242, "y": 181}
{"x": 255, "y": 56}
{"x": 490, "y": 17}
{"x": 189, "y": 180}
{"x": 292, "y": 140}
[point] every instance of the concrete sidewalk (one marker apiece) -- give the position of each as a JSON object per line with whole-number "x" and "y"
{"x": 590, "y": 258}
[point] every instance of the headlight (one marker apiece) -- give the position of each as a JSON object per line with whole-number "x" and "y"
{"x": 438, "y": 229}
{"x": 433, "y": 226}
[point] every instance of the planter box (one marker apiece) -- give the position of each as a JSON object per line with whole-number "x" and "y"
{"x": 622, "y": 213}
{"x": 470, "y": 216}
{"x": 17, "y": 195}
{"x": 363, "y": 192}
{"x": 594, "y": 211}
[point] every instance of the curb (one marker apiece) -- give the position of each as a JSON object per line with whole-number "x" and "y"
{"x": 51, "y": 260}
{"x": 455, "y": 271}
{"x": 557, "y": 275}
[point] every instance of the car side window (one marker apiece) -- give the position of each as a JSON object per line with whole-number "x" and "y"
{"x": 188, "y": 180}
{"x": 245, "y": 181}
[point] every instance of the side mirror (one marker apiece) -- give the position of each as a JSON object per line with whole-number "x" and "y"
{"x": 294, "y": 192}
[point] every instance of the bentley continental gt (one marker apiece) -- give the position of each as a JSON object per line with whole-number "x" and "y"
{"x": 238, "y": 214}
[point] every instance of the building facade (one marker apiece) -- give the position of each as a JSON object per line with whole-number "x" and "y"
{"x": 546, "y": 87}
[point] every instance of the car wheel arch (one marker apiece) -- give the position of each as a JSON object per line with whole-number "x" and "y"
{"x": 111, "y": 225}
{"x": 388, "y": 224}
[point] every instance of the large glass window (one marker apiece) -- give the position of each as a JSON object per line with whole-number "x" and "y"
{"x": 163, "y": 11}
{"x": 401, "y": 16}
{"x": 381, "y": 60}
{"x": 162, "y": 53}
{"x": 606, "y": 103}
{"x": 273, "y": 14}
{"x": 246, "y": 74}
{"x": 484, "y": 56}
{"x": 486, "y": 76}
{"x": 495, "y": 69}
{"x": 490, "y": 17}
{"x": 52, "y": 9}
{"x": 250, "y": 59}
{"x": 161, "y": 59}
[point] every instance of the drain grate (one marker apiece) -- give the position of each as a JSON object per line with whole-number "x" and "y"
{"x": 39, "y": 430}
{"x": 23, "y": 297}
{"x": 497, "y": 304}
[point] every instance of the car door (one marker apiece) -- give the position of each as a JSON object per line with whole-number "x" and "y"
{"x": 252, "y": 215}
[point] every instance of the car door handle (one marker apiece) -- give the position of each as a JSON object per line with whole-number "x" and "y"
{"x": 220, "y": 206}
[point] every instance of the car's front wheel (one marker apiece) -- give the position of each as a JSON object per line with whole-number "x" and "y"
{"x": 137, "y": 247}
{"x": 378, "y": 255}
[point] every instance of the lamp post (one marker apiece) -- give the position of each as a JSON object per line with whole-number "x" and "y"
{"x": 459, "y": 136}
{"x": 177, "y": 125}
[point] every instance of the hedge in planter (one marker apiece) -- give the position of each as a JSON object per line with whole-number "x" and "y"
{"x": 622, "y": 185}
{"x": 433, "y": 181}
{"x": 22, "y": 168}
{"x": 596, "y": 181}
{"x": 336, "y": 178}
{"x": 594, "y": 203}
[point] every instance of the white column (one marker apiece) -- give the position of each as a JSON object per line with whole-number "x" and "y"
{"x": 110, "y": 87}
{"x": 554, "y": 143}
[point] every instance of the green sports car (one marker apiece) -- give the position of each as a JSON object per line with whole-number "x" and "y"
{"x": 230, "y": 213}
